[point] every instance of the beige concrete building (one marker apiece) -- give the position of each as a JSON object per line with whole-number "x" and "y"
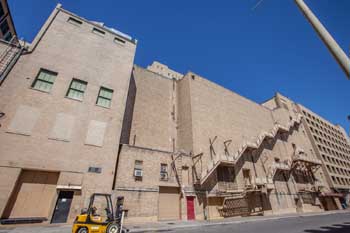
{"x": 62, "y": 108}
{"x": 77, "y": 117}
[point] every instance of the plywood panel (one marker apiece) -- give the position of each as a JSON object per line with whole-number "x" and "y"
{"x": 34, "y": 194}
{"x": 24, "y": 120}
{"x": 169, "y": 203}
{"x": 96, "y": 133}
{"x": 63, "y": 127}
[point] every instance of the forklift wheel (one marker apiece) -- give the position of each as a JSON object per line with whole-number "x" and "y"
{"x": 113, "y": 228}
{"x": 83, "y": 230}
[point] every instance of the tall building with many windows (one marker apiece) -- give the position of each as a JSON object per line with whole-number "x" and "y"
{"x": 332, "y": 146}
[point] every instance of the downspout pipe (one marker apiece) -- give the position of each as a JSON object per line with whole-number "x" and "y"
{"x": 339, "y": 55}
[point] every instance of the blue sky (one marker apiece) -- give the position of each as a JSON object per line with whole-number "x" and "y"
{"x": 253, "y": 53}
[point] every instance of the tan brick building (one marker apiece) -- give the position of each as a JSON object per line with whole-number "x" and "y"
{"x": 331, "y": 144}
{"x": 62, "y": 108}
{"x": 78, "y": 117}
{"x": 224, "y": 154}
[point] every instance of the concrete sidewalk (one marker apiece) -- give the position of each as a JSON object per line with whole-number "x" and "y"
{"x": 161, "y": 226}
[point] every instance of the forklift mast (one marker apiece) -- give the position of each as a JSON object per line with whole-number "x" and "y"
{"x": 119, "y": 208}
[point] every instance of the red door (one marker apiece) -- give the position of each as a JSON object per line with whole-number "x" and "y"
{"x": 190, "y": 208}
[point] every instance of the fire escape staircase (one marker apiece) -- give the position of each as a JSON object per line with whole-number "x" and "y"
{"x": 280, "y": 166}
{"x": 10, "y": 56}
{"x": 176, "y": 165}
{"x": 255, "y": 144}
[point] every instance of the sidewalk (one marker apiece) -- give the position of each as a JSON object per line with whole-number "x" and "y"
{"x": 161, "y": 226}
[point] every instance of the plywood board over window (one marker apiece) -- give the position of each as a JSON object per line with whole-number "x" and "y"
{"x": 24, "y": 120}
{"x": 63, "y": 127}
{"x": 96, "y": 133}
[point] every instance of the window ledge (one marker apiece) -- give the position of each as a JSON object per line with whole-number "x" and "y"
{"x": 102, "y": 106}
{"x": 67, "y": 97}
{"x": 18, "y": 133}
{"x": 58, "y": 139}
{"x": 94, "y": 145}
{"x": 47, "y": 92}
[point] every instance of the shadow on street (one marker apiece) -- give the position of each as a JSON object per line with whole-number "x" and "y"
{"x": 335, "y": 228}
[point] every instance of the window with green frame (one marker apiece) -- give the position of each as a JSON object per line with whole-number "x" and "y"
{"x": 76, "y": 89}
{"x": 44, "y": 80}
{"x": 104, "y": 97}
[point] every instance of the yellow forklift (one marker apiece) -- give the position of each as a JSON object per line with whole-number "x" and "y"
{"x": 99, "y": 217}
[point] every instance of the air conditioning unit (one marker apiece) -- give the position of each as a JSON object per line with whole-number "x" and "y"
{"x": 138, "y": 173}
{"x": 164, "y": 176}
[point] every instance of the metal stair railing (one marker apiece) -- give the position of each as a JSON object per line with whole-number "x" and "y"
{"x": 9, "y": 57}
{"x": 219, "y": 159}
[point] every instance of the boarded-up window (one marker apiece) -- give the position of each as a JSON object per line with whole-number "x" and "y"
{"x": 63, "y": 127}
{"x": 24, "y": 120}
{"x": 96, "y": 133}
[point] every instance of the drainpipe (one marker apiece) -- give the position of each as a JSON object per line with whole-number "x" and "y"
{"x": 339, "y": 55}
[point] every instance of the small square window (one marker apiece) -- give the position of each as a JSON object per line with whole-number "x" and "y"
{"x": 44, "y": 80}
{"x": 164, "y": 171}
{"x": 138, "y": 170}
{"x": 76, "y": 89}
{"x": 98, "y": 31}
{"x": 119, "y": 41}
{"x": 104, "y": 97}
{"x": 75, "y": 21}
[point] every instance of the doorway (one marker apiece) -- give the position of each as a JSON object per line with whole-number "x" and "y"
{"x": 190, "y": 208}
{"x": 247, "y": 177}
{"x": 169, "y": 203}
{"x": 62, "y": 207}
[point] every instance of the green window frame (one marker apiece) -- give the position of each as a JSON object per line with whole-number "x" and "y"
{"x": 44, "y": 80}
{"x": 76, "y": 89}
{"x": 104, "y": 98}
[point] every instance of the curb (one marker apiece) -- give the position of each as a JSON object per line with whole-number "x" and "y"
{"x": 234, "y": 222}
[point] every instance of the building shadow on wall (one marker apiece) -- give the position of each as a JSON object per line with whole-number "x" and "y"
{"x": 335, "y": 228}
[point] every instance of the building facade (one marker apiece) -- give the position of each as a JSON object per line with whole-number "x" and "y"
{"x": 62, "y": 108}
{"x": 331, "y": 144}
{"x": 78, "y": 117}
{"x": 202, "y": 148}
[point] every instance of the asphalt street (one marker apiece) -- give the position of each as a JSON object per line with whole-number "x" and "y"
{"x": 338, "y": 222}
{"x": 335, "y": 223}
